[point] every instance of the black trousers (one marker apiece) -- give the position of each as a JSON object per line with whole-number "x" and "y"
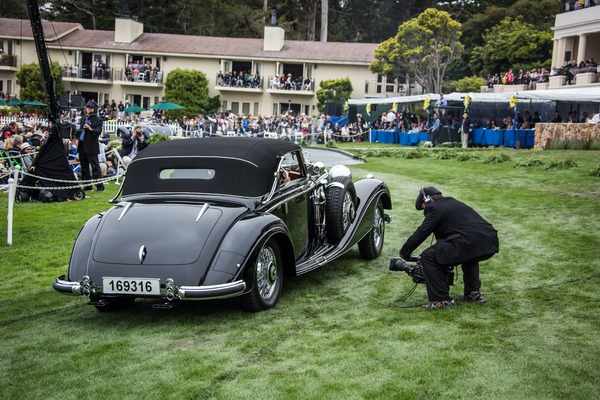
{"x": 436, "y": 276}
{"x": 87, "y": 161}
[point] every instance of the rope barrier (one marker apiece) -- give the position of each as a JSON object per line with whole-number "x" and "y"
{"x": 76, "y": 184}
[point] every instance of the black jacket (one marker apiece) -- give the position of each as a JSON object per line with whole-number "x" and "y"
{"x": 90, "y": 140}
{"x": 461, "y": 233}
{"x": 128, "y": 143}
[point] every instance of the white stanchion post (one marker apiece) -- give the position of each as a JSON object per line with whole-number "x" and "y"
{"x": 12, "y": 190}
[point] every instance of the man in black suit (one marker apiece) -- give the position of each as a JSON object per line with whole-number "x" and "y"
{"x": 462, "y": 237}
{"x": 88, "y": 146}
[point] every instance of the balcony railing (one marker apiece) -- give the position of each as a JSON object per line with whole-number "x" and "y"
{"x": 8, "y": 60}
{"x": 300, "y": 86}
{"x": 229, "y": 82}
{"x": 111, "y": 74}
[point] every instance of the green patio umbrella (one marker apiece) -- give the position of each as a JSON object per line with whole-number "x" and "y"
{"x": 166, "y": 105}
{"x": 34, "y": 103}
{"x": 15, "y": 103}
{"x": 3, "y": 103}
{"x": 134, "y": 109}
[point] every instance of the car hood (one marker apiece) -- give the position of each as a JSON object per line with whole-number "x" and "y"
{"x": 158, "y": 234}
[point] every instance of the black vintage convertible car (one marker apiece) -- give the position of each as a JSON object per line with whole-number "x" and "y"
{"x": 222, "y": 217}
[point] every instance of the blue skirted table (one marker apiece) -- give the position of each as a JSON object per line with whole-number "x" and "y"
{"x": 503, "y": 137}
{"x": 401, "y": 138}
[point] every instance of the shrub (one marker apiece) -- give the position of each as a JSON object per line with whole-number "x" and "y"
{"x": 411, "y": 154}
{"x": 575, "y": 144}
{"x": 467, "y": 156}
{"x": 444, "y": 155}
{"x": 496, "y": 158}
{"x": 561, "y": 164}
{"x": 595, "y": 171}
{"x": 532, "y": 162}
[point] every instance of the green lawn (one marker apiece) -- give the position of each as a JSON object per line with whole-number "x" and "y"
{"x": 339, "y": 332}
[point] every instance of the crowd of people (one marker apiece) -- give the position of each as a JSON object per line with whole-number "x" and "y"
{"x": 541, "y": 75}
{"x": 246, "y": 79}
{"x": 287, "y": 124}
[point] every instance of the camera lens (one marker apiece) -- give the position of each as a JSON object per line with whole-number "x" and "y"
{"x": 398, "y": 264}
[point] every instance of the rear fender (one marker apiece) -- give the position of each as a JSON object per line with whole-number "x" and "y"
{"x": 82, "y": 249}
{"x": 240, "y": 244}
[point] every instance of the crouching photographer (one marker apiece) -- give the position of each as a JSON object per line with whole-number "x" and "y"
{"x": 462, "y": 237}
{"x": 133, "y": 144}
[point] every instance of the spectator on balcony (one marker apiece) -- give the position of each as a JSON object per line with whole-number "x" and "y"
{"x": 147, "y": 69}
{"x": 510, "y": 77}
{"x": 289, "y": 84}
{"x": 306, "y": 84}
{"x": 129, "y": 72}
{"x": 227, "y": 79}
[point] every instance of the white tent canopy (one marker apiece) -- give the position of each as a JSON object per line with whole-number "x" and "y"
{"x": 576, "y": 95}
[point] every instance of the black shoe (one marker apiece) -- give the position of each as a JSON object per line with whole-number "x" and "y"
{"x": 100, "y": 188}
{"x": 88, "y": 188}
{"x": 473, "y": 297}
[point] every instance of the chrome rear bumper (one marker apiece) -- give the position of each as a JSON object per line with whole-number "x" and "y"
{"x": 220, "y": 291}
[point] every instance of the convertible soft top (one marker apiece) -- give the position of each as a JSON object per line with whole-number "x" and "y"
{"x": 234, "y": 166}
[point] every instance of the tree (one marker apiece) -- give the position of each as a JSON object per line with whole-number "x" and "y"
{"x": 423, "y": 49}
{"x": 511, "y": 44}
{"x": 333, "y": 91}
{"x": 324, "y": 19}
{"x": 92, "y": 14}
{"x": 465, "y": 85}
{"x": 29, "y": 78}
{"x": 190, "y": 89}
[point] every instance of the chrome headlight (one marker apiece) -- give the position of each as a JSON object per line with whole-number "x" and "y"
{"x": 340, "y": 170}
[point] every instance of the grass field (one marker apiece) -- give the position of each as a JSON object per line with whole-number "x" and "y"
{"x": 338, "y": 332}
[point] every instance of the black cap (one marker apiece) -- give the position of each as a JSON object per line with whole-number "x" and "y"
{"x": 427, "y": 191}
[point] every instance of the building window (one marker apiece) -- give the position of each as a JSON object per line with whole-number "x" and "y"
{"x": 235, "y": 107}
{"x": 245, "y": 108}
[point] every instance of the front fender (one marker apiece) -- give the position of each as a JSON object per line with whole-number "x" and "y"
{"x": 238, "y": 246}
{"x": 369, "y": 192}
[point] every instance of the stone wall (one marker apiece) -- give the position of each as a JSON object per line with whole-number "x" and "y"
{"x": 546, "y": 133}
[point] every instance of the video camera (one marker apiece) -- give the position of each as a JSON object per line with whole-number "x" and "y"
{"x": 415, "y": 271}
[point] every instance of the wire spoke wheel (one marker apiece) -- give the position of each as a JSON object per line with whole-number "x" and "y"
{"x": 266, "y": 272}
{"x": 265, "y": 277}
{"x": 371, "y": 245}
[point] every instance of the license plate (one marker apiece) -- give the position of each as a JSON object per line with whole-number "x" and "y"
{"x": 121, "y": 285}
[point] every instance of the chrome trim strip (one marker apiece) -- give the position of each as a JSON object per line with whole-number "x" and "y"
{"x": 211, "y": 292}
{"x": 202, "y": 211}
{"x": 198, "y": 157}
{"x": 127, "y": 207}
